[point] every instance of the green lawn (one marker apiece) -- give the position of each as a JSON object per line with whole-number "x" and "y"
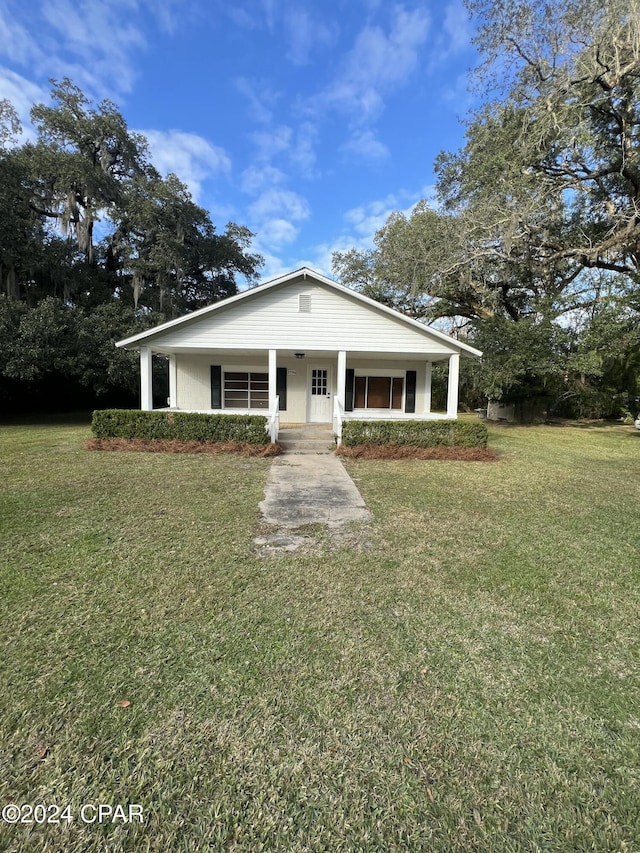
{"x": 468, "y": 680}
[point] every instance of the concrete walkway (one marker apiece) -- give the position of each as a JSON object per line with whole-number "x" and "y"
{"x": 305, "y": 489}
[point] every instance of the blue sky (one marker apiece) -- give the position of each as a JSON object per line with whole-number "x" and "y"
{"x": 308, "y": 121}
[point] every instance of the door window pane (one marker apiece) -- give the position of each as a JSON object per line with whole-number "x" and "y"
{"x": 318, "y": 382}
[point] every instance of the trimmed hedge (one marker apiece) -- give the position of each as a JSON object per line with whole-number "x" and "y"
{"x": 183, "y": 426}
{"x": 415, "y": 433}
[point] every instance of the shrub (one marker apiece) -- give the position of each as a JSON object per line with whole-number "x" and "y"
{"x": 447, "y": 433}
{"x": 182, "y": 426}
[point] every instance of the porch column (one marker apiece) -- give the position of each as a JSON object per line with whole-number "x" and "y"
{"x": 146, "y": 379}
{"x": 452, "y": 389}
{"x": 272, "y": 379}
{"x": 342, "y": 378}
{"x": 173, "y": 382}
{"x": 428, "y": 370}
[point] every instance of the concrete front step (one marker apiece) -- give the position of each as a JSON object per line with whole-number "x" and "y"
{"x": 306, "y": 447}
{"x": 304, "y": 434}
{"x": 315, "y": 438}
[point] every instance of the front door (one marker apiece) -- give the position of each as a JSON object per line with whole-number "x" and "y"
{"x": 320, "y": 395}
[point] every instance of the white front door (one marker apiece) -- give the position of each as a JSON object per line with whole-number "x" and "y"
{"x": 319, "y": 384}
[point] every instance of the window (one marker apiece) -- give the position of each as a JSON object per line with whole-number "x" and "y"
{"x": 319, "y": 382}
{"x": 246, "y": 390}
{"x": 378, "y": 392}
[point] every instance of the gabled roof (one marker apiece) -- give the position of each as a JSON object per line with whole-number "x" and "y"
{"x": 147, "y": 337}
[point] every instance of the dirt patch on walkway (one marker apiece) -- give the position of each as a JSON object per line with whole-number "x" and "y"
{"x": 310, "y": 539}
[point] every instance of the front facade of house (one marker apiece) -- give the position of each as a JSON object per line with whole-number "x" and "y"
{"x": 300, "y": 349}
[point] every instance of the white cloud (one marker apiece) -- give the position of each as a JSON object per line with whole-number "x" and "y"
{"x": 101, "y": 37}
{"x": 323, "y": 254}
{"x": 262, "y": 99}
{"x": 23, "y": 94}
{"x": 457, "y": 27}
{"x": 255, "y": 178}
{"x": 365, "y": 147}
{"x": 459, "y": 94}
{"x": 274, "y": 266}
{"x": 378, "y": 63}
{"x": 272, "y": 142}
{"x": 278, "y": 232}
{"x": 362, "y": 223}
{"x": 306, "y": 33}
{"x": 269, "y": 7}
{"x": 279, "y": 203}
{"x": 168, "y": 13}
{"x": 276, "y": 140}
{"x": 191, "y": 157}
{"x": 359, "y": 228}
{"x": 297, "y": 146}
{"x": 368, "y": 218}
{"x": 242, "y": 18}
{"x": 273, "y": 217}
{"x": 302, "y": 154}
{"x": 93, "y": 42}
{"x": 454, "y": 38}
{"x": 18, "y": 45}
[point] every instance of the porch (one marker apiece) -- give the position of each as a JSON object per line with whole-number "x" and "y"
{"x": 321, "y": 387}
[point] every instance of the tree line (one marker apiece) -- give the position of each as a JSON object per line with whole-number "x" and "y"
{"x": 531, "y": 251}
{"x": 532, "y": 248}
{"x": 95, "y": 245}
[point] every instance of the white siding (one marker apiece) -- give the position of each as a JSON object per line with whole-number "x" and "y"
{"x": 296, "y": 411}
{"x": 193, "y": 382}
{"x": 273, "y": 321}
{"x": 194, "y": 376}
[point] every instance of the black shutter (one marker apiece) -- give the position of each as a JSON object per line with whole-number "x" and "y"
{"x": 348, "y": 396}
{"x": 281, "y": 387}
{"x": 410, "y": 392}
{"x": 216, "y": 386}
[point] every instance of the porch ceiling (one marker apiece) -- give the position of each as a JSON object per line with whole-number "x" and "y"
{"x": 309, "y": 354}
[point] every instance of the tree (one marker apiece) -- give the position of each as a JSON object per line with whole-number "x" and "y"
{"x": 405, "y": 269}
{"x": 159, "y": 248}
{"x": 167, "y": 248}
{"x": 570, "y": 103}
{"x": 21, "y": 233}
{"x": 81, "y": 163}
{"x": 541, "y": 201}
{"x": 66, "y": 295}
{"x": 604, "y": 366}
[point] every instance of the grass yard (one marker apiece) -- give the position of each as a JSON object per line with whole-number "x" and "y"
{"x": 470, "y": 681}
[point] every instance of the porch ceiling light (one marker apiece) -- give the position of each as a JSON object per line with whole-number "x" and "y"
{"x": 299, "y": 354}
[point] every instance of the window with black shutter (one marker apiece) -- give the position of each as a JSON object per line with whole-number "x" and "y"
{"x": 216, "y": 386}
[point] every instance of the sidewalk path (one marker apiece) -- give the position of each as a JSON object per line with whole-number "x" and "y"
{"x": 305, "y": 489}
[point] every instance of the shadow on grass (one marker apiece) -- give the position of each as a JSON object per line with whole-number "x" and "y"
{"x": 560, "y": 423}
{"x": 591, "y": 424}
{"x": 48, "y": 419}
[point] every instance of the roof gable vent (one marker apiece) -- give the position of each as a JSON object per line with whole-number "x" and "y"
{"x": 304, "y": 302}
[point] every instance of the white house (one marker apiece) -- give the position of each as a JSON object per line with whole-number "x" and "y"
{"x": 302, "y": 349}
